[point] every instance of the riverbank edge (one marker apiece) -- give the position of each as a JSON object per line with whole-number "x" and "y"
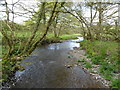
{"x": 95, "y": 75}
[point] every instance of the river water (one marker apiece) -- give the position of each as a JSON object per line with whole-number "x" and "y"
{"x": 45, "y": 68}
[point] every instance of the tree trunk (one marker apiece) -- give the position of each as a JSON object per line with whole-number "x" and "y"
{"x": 29, "y": 43}
{"x": 100, "y": 21}
{"x": 47, "y": 28}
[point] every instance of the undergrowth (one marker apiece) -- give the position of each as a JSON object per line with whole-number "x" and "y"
{"x": 105, "y": 54}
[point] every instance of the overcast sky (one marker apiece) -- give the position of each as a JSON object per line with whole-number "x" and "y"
{"x": 33, "y": 4}
{"x": 25, "y": 3}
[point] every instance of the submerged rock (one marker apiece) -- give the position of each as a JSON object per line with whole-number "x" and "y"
{"x": 68, "y": 66}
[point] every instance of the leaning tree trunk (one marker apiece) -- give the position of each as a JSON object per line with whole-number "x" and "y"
{"x": 52, "y": 17}
{"x": 28, "y": 44}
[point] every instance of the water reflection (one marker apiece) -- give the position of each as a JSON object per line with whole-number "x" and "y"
{"x": 78, "y": 40}
{"x": 66, "y": 45}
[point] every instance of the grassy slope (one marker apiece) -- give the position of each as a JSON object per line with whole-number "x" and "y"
{"x": 72, "y": 36}
{"x": 104, "y": 54}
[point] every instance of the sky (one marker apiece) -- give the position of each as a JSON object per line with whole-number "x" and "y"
{"x": 32, "y": 4}
{"x": 26, "y": 3}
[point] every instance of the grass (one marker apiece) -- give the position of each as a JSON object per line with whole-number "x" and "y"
{"x": 105, "y": 54}
{"x": 115, "y": 83}
{"x": 78, "y": 60}
{"x": 27, "y": 34}
{"x": 88, "y": 65}
{"x": 81, "y": 60}
{"x": 72, "y": 36}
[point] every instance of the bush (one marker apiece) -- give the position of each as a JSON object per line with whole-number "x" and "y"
{"x": 7, "y": 68}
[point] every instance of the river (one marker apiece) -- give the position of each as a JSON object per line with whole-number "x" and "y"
{"x": 45, "y": 68}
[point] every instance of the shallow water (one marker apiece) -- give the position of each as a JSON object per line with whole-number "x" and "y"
{"x": 45, "y": 68}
